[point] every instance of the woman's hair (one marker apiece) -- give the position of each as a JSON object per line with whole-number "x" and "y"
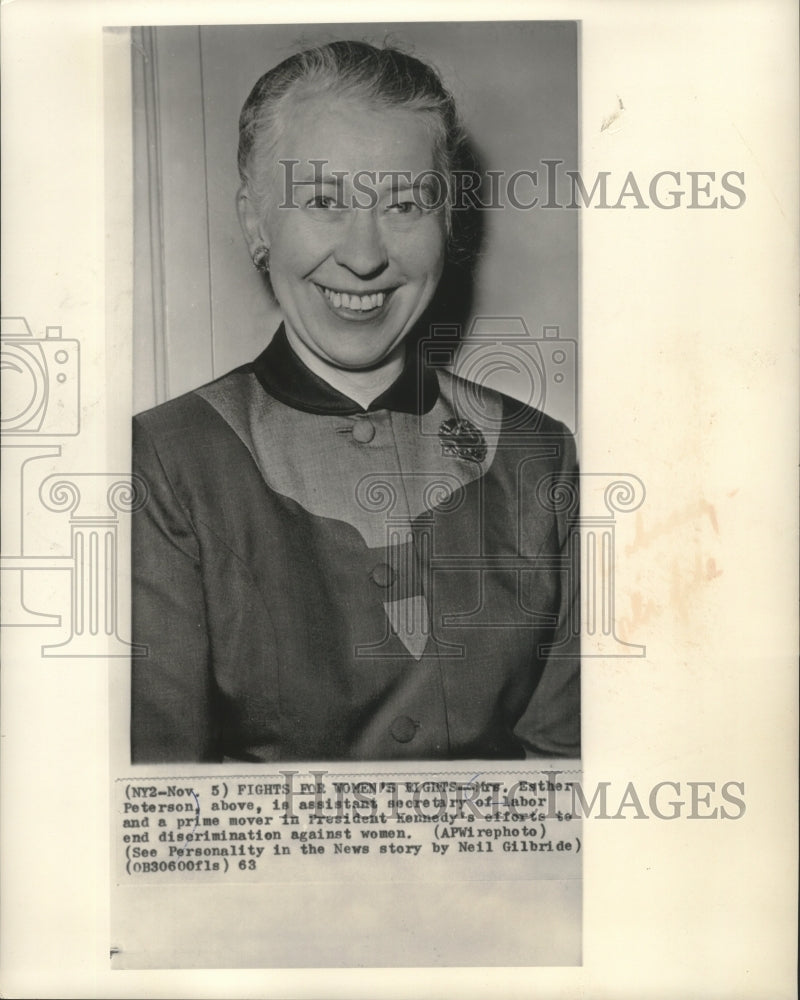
{"x": 384, "y": 78}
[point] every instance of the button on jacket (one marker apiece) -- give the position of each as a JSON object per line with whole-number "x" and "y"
{"x": 318, "y": 582}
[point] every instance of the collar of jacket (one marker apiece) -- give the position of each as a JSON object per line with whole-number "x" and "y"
{"x": 283, "y": 375}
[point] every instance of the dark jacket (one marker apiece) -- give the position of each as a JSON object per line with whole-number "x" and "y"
{"x": 318, "y": 582}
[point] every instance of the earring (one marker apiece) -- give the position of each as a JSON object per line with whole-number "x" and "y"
{"x": 261, "y": 258}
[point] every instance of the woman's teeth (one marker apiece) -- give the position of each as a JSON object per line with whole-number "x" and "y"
{"x": 358, "y": 303}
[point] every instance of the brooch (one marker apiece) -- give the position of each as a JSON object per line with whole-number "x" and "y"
{"x": 462, "y": 439}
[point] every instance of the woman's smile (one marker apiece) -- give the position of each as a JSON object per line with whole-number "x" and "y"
{"x": 356, "y": 306}
{"x": 351, "y": 280}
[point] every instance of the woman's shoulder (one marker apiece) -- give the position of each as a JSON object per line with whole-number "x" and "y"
{"x": 199, "y": 422}
{"x": 195, "y": 406}
{"x": 172, "y": 412}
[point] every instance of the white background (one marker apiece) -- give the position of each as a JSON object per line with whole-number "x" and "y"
{"x": 689, "y": 381}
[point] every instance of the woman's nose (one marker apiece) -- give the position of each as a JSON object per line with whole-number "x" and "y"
{"x": 361, "y": 248}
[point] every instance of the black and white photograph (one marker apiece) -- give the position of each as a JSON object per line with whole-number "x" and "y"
{"x": 348, "y": 550}
{"x": 398, "y": 590}
{"x": 355, "y": 539}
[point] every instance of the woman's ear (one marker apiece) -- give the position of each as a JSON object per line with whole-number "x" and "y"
{"x": 251, "y": 220}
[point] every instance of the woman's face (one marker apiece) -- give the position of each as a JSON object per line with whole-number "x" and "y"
{"x": 351, "y": 281}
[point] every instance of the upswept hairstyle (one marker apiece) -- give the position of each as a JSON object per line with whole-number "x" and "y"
{"x": 382, "y": 77}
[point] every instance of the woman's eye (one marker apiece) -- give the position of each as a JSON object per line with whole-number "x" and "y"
{"x": 402, "y": 207}
{"x": 322, "y": 201}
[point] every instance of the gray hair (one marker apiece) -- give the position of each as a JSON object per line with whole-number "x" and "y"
{"x": 382, "y": 77}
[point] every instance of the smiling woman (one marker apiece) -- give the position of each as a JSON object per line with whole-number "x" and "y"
{"x": 346, "y": 552}
{"x": 351, "y": 281}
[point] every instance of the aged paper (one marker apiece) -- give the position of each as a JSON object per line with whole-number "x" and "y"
{"x": 688, "y": 372}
